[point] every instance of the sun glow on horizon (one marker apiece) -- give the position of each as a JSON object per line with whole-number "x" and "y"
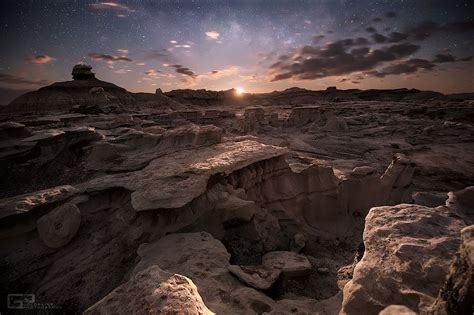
{"x": 239, "y": 90}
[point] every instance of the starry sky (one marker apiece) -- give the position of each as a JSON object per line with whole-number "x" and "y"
{"x": 259, "y": 45}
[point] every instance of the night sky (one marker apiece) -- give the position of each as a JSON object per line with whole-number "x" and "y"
{"x": 259, "y": 46}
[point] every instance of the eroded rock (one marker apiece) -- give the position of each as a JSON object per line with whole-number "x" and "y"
{"x": 405, "y": 258}
{"x": 153, "y": 291}
{"x": 60, "y": 225}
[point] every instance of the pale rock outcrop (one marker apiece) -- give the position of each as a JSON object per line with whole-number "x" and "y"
{"x": 153, "y": 291}
{"x": 60, "y": 225}
{"x": 405, "y": 258}
{"x": 199, "y": 257}
{"x": 397, "y": 310}
{"x": 289, "y": 263}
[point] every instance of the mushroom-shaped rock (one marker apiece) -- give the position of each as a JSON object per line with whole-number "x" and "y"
{"x": 258, "y": 277}
{"x": 291, "y": 264}
{"x": 60, "y": 225}
{"x": 82, "y": 72}
{"x": 153, "y": 291}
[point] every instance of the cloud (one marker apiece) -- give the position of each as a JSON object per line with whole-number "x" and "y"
{"x": 12, "y": 79}
{"x": 405, "y": 67}
{"x": 338, "y": 58}
{"x": 212, "y": 35}
{"x": 443, "y": 58}
{"x": 427, "y": 29}
{"x": 377, "y": 19}
{"x": 123, "y": 51}
{"x": 108, "y": 58}
{"x": 379, "y": 38}
{"x": 370, "y": 29}
{"x": 122, "y": 71}
{"x": 183, "y": 70}
{"x": 391, "y": 14}
{"x": 110, "y": 6}
{"x": 40, "y": 59}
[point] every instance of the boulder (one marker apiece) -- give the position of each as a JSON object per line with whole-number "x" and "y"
{"x": 60, "y": 225}
{"x": 404, "y": 260}
{"x": 153, "y": 291}
{"x": 289, "y": 263}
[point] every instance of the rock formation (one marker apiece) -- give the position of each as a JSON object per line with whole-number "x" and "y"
{"x": 201, "y": 202}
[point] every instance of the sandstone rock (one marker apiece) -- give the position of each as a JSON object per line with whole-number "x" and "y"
{"x": 66, "y": 95}
{"x": 258, "y": 277}
{"x": 290, "y": 264}
{"x": 60, "y": 225}
{"x": 298, "y": 243}
{"x": 10, "y": 129}
{"x": 363, "y": 171}
{"x": 397, "y": 310}
{"x": 463, "y": 201}
{"x": 303, "y": 115}
{"x": 457, "y": 294}
{"x": 44, "y": 135}
{"x": 199, "y": 257}
{"x": 82, "y": 72}
{"x": 251, "y": 301}
{"x": 24, "y": 203}
{"x": 430, "y": 199}
{"x": 96, "y": 90}
{"x": 405, "y": 258}
{"x": 336, "y": 124}
{"x": 153, "y": 291}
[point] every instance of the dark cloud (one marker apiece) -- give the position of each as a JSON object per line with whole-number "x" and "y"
{"x": 40, "y": 59}
{"x": 377, "y": 19}
{"x": 337, "y": 58}
{"x": 396, "y": 37}
{"x": 466, "y": 58}
{"x": 214, "y": 71}
{"x": 443, "y": 58}
{"x": 370, "y": 29}
{"x": 379, "y": 38}
{"x": 406, "y": 67}
{"x": 184, "y": 70}
{"x": 12, "y": 79}
{"x": 106, "y": 57}
{"x": 391, "y": 14}
{"x": 427, "y": 29}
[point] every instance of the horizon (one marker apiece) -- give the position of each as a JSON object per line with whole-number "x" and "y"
{"x": 258, "y": 47}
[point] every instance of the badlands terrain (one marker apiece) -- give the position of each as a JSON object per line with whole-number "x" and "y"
{"x": 201, "y": 202}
